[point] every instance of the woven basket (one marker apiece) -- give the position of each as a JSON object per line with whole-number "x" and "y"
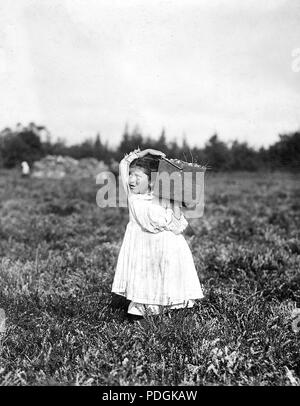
{"x": 180, "y": 182}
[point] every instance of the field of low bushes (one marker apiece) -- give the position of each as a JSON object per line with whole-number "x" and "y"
{"x": 58, "y": 251}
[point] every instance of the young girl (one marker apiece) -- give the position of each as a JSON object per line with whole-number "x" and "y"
{"x": 155, "y": 266}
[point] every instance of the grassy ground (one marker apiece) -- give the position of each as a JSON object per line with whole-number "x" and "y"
{"x": 58, "y": 251}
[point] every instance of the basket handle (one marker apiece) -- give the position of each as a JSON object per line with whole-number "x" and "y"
{"x": 171, "y": 163}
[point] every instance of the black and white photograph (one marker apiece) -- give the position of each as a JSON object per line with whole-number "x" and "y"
{"x": 149, "y": 196}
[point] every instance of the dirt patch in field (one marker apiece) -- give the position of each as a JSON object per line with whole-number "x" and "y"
{"x": 57, "y": 167}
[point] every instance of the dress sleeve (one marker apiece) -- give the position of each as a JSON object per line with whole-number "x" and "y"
{"x": 124, "y": 168}
{"x": 155, "y": 218}
{"x": 178, "y": 226}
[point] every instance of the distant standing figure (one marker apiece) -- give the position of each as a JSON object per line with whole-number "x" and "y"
{"x": 25, "y": 169}
{"x": 155, "y": 266}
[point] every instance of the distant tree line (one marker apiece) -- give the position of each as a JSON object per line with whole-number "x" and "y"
{"x": 33, "y": 142}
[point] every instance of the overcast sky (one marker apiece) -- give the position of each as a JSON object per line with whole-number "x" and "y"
{"x": 192, "y": 67}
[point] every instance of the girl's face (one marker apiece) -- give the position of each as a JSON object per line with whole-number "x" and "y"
{"x": 138, "y": 181}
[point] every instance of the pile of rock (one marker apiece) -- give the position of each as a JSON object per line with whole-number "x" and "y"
{"x": 57, "y": 167}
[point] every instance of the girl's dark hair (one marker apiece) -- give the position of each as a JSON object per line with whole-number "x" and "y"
{"x": 149, "y": 164}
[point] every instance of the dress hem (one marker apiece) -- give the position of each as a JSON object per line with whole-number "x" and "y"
{"x": 159, "y": 303}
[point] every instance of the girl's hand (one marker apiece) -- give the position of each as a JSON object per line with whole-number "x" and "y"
{"x": 156, "y": 152}
{"x": 151, "y": 152}
{"x": 177, "y": 210}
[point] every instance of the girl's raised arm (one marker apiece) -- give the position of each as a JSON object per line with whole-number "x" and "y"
{"x": 124, "y": 167}
{"x": 128, "y": 158}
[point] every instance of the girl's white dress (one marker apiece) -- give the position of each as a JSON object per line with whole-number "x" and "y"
{"x": 155, "y": 265}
